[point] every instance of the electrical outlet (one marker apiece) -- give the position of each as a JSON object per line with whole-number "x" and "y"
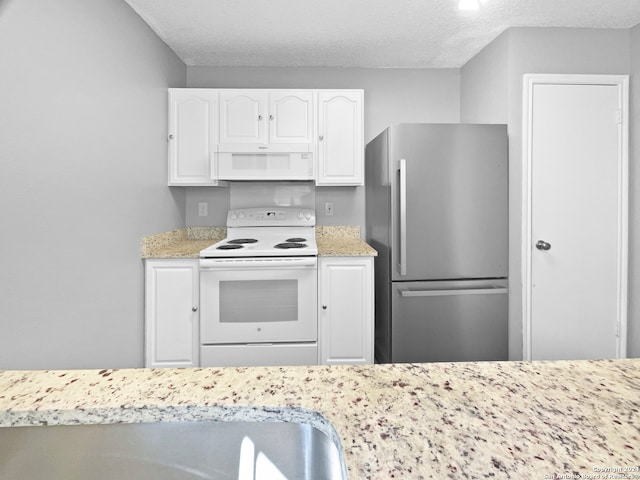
{"x": 328, "y": 208}
{"x": 203, "y": 209}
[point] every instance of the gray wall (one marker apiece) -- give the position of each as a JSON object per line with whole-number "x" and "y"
{"x": 484, "y": 84}
{"x": 390, "y": 96}
{"x": 538, "y": 50}
{"x": 82, "y": 149}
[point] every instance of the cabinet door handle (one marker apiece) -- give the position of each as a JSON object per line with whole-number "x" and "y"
{"x": 194, "y": 309}
{"x": 321, "y": 137}
{"x": 324, "y": 307}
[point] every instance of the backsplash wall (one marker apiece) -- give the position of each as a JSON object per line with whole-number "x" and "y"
{"x": 219, "y": 202}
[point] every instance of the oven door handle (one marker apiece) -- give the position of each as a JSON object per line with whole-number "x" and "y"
{"x": 253, "y": 263}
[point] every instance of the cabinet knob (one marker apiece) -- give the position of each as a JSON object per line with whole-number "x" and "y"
{"x": 324, "y": 307}
{"x": 271, "y": 117}
{"x": 194, "y": 309}
{"x": 259, "y": 117}
{"x": 170, "y": 137}
{"x": 321, "y": 137}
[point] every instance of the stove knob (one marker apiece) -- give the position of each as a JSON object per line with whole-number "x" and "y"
{"x": 300, "y": 215}
{"x": 241, "y": 215}
{"x": 233, "y": 216}
{"x": 308, "y": 216}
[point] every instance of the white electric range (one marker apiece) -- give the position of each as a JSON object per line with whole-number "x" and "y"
{"x": 258, "y": 290}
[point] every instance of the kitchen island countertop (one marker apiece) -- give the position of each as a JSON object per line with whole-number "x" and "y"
{"x": 519, "y": 420}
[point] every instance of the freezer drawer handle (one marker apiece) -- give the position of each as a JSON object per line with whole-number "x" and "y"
{"x": 443, "y": 293}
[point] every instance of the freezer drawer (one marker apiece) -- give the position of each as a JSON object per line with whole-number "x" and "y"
{"x": 454, "y": 321}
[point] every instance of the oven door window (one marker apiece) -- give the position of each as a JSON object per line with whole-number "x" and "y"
{"x": 258, "y": 301}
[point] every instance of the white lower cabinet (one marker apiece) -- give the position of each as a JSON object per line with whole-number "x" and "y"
{"x": 345, "y": 310}
{"x": 171, "y": 313}
{"x": 345, "y": 316}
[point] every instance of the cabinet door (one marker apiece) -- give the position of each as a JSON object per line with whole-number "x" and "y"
{"x": 345, "y": 318}
{"x": 171, "y": 313}
{"x": 291, "y": 116}
{"x": 193, "y": 136}
{"x": 243, "y": 116}
{"x": 340, "y": 138}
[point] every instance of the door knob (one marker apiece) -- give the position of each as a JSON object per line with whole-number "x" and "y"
{"x": 542, "y": 245}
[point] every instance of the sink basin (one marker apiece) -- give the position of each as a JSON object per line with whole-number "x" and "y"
{"x": 239, "y": 450}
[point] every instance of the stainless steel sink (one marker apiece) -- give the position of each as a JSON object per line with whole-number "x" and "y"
{"x": 239, "y": 450}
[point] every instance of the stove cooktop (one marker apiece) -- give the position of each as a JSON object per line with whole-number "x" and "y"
{"x": 266, "y": 232}
{"x": 264, "y": 242}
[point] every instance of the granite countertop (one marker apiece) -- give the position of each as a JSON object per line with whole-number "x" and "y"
{"x": 188, "y": 242}
{"x": 533, "y": 420}
{"x": 181, "y": 243}
{"x": 342, "y": 242}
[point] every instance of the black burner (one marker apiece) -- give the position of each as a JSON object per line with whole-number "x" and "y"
{"x": 296, "y": 239}
{"x": 229, "y": 247}
{"x": 243, "y": 240}
{"x": 290, "y": 245}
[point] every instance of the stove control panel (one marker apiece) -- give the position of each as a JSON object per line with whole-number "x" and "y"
{"x": 271, "y": 216}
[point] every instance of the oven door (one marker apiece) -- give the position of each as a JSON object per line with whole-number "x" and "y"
{"x": 258, "y": 300}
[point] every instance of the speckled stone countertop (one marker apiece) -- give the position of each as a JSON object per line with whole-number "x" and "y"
{"x": 187, "y": 242}
{"x": 520, "y": 420}
{"x": 342, "y": 242}
{"x": 181, "y": 243}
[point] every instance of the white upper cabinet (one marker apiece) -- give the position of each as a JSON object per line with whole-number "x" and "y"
{"x": 265, "y": 117}
{"x": 291, "y": 116}
{"x": 242, "y": 116}
{"x": 193, "y": 136}
{"x": 340, "y": 137}
{"x": 265, "y": 134}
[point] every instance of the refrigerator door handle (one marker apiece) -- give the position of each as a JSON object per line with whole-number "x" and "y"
{"x": 402, "y": 264}
{"x": 443, "y": 293}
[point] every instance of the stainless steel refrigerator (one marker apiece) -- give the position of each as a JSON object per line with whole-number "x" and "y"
{"x": 436, "y": 212}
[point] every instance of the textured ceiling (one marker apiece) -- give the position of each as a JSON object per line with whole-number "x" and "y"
{"x": 358, "y": 33}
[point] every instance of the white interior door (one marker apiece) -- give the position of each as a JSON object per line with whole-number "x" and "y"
{"x": 575, "y": 241}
